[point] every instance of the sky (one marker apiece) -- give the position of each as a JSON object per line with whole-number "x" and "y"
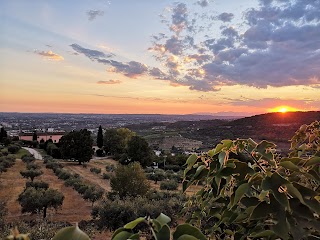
{"x": 148, "y": 56}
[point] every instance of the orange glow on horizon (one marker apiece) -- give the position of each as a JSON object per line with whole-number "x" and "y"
{"x": 284, "y": 109}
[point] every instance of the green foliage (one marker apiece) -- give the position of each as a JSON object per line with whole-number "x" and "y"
{"x": 139, "y": 151}
{"x": 116, "y": 140}
{"x": 13, "y": 148}
{"x": 169, "y": 185}
{"x": 6, "y": 162}
{"x": 95, "y": 170}
{"x": 93, "y": 194}
{"x": 77, "y": 145}
{"x": 33, "y": 166}
{"x": 3, "y": 134}
{"x": 34, "y": 136}
{"x": 32, "y": 173}
{"x": 28, "y": 158}
{"x": 160, "y": 230}
{"x": 100, "y": 137}
{"x": 53, "y": 150}
{"x": 37, "y": 185}
{"x": 39, "y": 200}
{"x": 129, "y": 181}
{"x": 156, "y": 175}
{"x": 272, "y": 197}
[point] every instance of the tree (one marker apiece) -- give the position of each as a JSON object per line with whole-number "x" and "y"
{"x": 129, "y": 181}
{"x": 34, "y": 136}
{"x": 139, "y": 151}
{"x": 32, "y": 173}
{"x": 268, "y": 197}
{"x": 39, "y": 200}
{"x": 100, "y": 138}
{"x": 3, "y": 134}
{"x": 93, "y": 194}
{"x": 77, "y": 145}
{"x": 116, "y": 140}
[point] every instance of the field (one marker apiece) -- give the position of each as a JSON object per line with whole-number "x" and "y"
{"x": 74, "y": 208}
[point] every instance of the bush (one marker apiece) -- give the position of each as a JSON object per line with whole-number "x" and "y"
{"x": 129, "y": 181}
{"x": 63, "y": 174}
{"x": 174, "y": 168}
{"x": 54, "y": 165}
{"x": 95, "y": 170}
{"x": 37, "y": 185}
{"x": 13, "y": 148}
{"x": 106, "y": 176}
{"x": 169, "y": 185}
{"x": 32, "y": 173}
{"x": 157, "y": 175}
{"x": 109, "y": 167}
{"x": 28, "y": 158}
{"x": 32, "y": 166}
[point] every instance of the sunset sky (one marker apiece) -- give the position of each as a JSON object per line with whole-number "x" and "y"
{"x": 149, "y": 56}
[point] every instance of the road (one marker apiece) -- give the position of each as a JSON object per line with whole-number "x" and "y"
{"x": 35, "y": 153}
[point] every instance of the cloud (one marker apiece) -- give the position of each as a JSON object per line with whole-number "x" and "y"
{"x": 277, "y": 45}
{"x": 92, "y": 14}
{"x": 225, "y": 17}
{"x": 109, "y": 82}
{"x": 49, "y": 55}
{"x": 92, "y": 54}
{"x": 203, "y": 3}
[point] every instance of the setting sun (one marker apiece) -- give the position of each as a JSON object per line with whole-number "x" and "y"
{"x": 284, "y": 109}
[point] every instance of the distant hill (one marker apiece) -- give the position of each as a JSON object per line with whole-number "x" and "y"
{"x": 294, "y": 118}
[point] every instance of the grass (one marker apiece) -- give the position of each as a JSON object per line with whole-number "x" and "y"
{"x": 21, "y": 152}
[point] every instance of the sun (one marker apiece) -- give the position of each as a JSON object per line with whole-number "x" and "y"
{"x": 284, "y": 109}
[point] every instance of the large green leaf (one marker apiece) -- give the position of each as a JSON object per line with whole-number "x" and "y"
{"x": 123, "y": 235}
{"x": 187, "y": 229}
{"x": 164, "y": 233}
{"x": 71, "y": 233}
{"x": 192, "y": 160}
{"x": 241, "y": 190}
{"x": 290, "y": 165}
{"x": 163, "y": 219}
{"x": 312, "y": 161}
{"x": 134, "y": 223}
{"x": 187, "y": 237}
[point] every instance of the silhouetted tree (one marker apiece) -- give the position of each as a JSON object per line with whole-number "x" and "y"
{"x": 3, "y": 134}
{"x": 34, "y": 136}
{"x": 116, "y": 140}
{"x": 100, "y": 138}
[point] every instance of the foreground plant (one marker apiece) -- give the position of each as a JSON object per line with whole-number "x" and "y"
{"x": 250, "y": 192}
{"x": 160, "y": 230}
{"x": 15, "y": 235}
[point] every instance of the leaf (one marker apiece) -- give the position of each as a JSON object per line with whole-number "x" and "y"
{"x": 289, "y": 165}
{"x": 123, "y": 235}
{"x": 187, "y": 237}
{"x": 282, "y": 226}
{"x": 222, "y": 157}
{"x": 218, "y": 148}
{"x": 227, "y": 143}
{"x": 164, "y": 233}
{"x": 241, "y": 190}
{"x": 71, "y": 233}
{"x": 312, "y": 161}
{"x": 134, "y": 223}
{"x": 163, "y": 219}
{"x": 189, "y": 230}
{"x": 192, "y": 160}
{"x": 266, "y": 233}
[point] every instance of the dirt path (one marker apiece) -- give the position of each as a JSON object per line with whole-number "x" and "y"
{"x": 34, "y": 152}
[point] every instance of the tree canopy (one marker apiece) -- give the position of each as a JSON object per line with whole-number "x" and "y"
{"x": 77, "y": 145}
{"x": 39, "y": 200}
{"x": 129, "y": 180}
{"x": 116, "y": 140}
{"x": 3, "y": 134}
{"x": 139, "y": 151}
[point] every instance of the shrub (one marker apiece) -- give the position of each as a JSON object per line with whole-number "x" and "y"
{"x": 100, "y": 153}
{"x": 37, "y": 184}
{"x": 106, "y": 176}
{"x": 95, "y": 170}
{"x": 169, "y": 185}
{"x": 32, "y": 173}
{"x": 174, "y": 168}
{"x": 28, "y": 158}
{"x": 157, "y": 175}
{"x": 13, "y": 148}
{"x": 93, "y": 194}
{"x": 110, "y": 168}
{"x": 54, "y": 165}
{"x": 129, "y": 181}
{"x": 32, "y": 166}
{"x": 63, "y": 174}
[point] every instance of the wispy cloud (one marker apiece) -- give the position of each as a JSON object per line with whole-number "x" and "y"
{"x": 49, "y": 55}
{"x": 92, "y": 14}
{"x": 109, "y": 82}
